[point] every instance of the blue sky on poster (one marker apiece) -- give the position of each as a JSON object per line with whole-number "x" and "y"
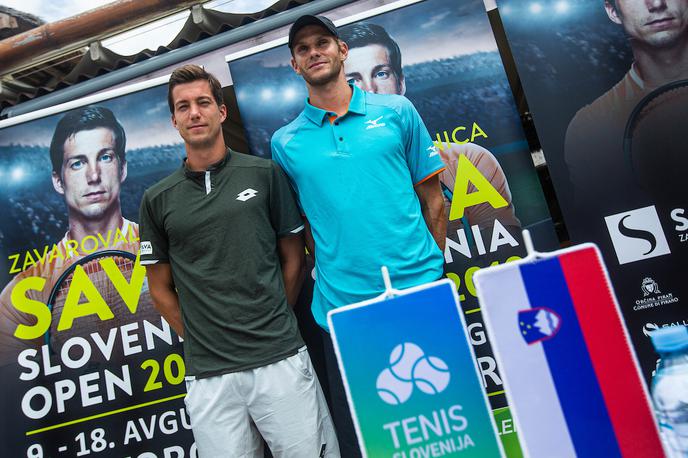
{"x": 144, "y": 115}
{"x": 427, "y": 28}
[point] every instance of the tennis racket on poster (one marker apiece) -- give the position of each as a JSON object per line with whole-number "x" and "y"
{"x": 93, "y": 272}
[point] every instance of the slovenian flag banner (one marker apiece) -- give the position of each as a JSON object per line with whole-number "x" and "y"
{"x": 570, "y": 377}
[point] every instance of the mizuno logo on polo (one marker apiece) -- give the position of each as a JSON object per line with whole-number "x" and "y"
{"x": 433, "y": 151}
{"x": 373, "y": 123}
{"x": 246, "y": 195}
{"x": 409, "y": 367}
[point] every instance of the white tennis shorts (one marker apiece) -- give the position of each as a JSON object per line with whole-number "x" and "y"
{"x": 281, "y": 402}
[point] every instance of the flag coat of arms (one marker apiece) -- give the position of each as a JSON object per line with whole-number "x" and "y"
{"x": 570, "y": 376}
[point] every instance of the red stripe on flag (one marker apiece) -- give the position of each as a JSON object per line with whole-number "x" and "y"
{"x": 611, "y": 356}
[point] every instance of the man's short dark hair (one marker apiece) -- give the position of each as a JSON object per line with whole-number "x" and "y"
{"x": 190, "y": 73}
{"x": 364, "y": 34}
{"x": 86, "y": 118}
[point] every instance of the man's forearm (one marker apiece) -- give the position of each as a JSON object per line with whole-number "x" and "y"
{"x": 436, "y": 219}
{"x": 291, "y": 257}
{"x": 432, "y": 205}
{"x": 293, "y": 274}
{"x": 167, "y": 303}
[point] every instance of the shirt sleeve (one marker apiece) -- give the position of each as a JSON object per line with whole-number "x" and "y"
{"x": 153, "y": 238}
{"x": 284, "y": 212}
{"x": 422, "y": 156}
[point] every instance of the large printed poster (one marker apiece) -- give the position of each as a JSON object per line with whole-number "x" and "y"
{"x": 442, "y": 55}
{"x": 87, "y": 366}
{"x": 606, "y": 81}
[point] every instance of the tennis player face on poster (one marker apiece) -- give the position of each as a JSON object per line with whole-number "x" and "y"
{"x": 657, "y": 24}
{"x": 370, "y": 68}
{"x": 90, "y": 178}
{"x": 87, "y": 154}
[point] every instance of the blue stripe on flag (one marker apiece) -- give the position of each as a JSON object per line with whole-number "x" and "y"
{"x": 570, "y": 365}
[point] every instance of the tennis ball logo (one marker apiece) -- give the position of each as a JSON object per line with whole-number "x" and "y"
{"x": 409, "y": 367}
{"x": 431, "y": 375}
{"x": 391, "y": 389}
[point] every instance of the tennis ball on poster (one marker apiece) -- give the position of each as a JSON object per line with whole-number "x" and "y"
{"x": 391, "y": 389}
{"x": 403, "y": 358}
{"x": 431, "y": 375}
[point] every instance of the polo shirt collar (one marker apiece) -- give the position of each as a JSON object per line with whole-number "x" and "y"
{"x": 356, "y": 105}
{"x": 358, "y": 101}
{"x": 219, "y": 165}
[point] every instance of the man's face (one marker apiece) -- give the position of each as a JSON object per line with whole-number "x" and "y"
{"x": 91, "y": 173}
{"x": 369, "y": 67}
{"x": 657, "y": 23}
{"x": 197, "y": 116}
{"x": 317, "y": 55}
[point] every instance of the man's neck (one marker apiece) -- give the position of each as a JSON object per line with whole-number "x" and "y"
{"x": 106, "y": 227}
{"x": 661, "y": 66}
{"x": 200, "y": 157}
{"x": 334, "y": 96}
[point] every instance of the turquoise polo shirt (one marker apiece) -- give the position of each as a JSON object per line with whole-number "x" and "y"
{"x": 354, "y": 177}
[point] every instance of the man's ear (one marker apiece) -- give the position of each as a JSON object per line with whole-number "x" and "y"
{"x": 293, "y": 65}
{"x": 343, "y": 49}
{"x": 174, "y": 122}
{"x": 223, "y": 112}
{"x": 57, "y": 183}
{"x": 123, "y": 172}
{"x": 612, "y": 12}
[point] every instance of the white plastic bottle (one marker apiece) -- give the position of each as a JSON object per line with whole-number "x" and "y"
{"x": 670, "y": 388}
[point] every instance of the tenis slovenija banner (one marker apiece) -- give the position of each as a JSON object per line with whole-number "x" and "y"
{"x": 413, "y": 384}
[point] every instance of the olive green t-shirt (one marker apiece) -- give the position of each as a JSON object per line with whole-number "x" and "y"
{"x": 219, "y": 230}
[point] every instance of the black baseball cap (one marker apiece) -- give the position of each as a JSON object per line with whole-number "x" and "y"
{"x": 309, "y": 19}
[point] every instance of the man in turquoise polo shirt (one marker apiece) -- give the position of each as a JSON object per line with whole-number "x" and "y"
{"x": 367, "y": 177}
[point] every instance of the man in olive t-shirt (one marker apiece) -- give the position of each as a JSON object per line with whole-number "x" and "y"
{"x": 221, "y": 239}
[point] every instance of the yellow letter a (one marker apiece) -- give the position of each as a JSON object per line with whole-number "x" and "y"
{"x": 131, "y": 291}
{"x": 484, "y": 192}
{"x": 73, "y": 309}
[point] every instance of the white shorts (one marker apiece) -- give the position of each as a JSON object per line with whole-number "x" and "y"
{"x": 281, "y": 402}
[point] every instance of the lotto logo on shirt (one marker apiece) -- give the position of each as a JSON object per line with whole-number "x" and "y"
{"x": 637, "y": 235}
